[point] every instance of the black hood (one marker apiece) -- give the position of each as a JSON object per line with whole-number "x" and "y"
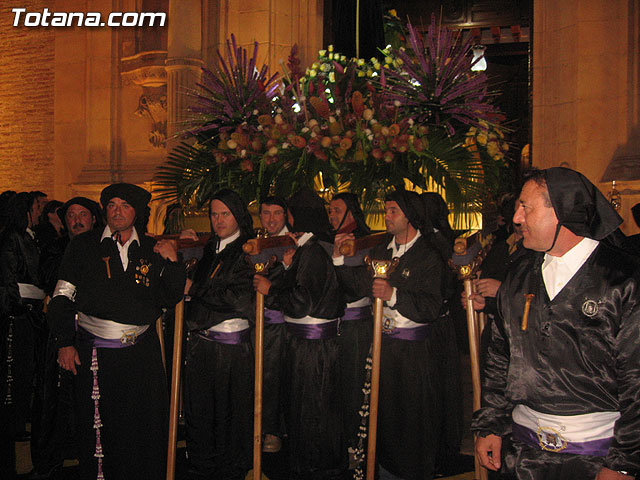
{"x": 579, "y": 205}
{"x": 309, "y": 212}
{"x": 353, "y": 206}
{"x": 234, "y": 203}
{"x": 413, "y": 208}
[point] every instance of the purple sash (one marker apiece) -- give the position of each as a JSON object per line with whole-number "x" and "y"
{"x": 597, "y": 448}
{"x": 314, "y": 331}
{"x": 273, "y": 317}
{"x": 88, "y": 338}
{"x": 418, "y": 333}
{"x": 356, "y": 313}
{"x": 230, "y": 338}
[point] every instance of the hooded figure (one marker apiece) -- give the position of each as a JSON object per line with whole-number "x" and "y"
{"x": 135, "y": 196}
{"x": 411, "y": 414}
{"x": 236, "y": 205}
{"x": 309, "y": 213}
{"x": 275, "y": 200}
{"x": 308, "y": 293}
{"x": 437, "y": 211}
{"x": 353, "y": 206}
{"x": 571, "y": 314}
{"x": 413, "y": 208}
{"x": 218, "y": 375}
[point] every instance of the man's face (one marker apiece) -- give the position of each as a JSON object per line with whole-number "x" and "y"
{"x": 272, "y": 218}
{"x": 394, "y": 219}
{"x": 536, "y": 217}
{"x": 337, "y": 211}
{"x": 78, "y": 220}
{"x": 222, "y": 220}
{"x": 120, "y": 215}
{"x": 36, "y": 209}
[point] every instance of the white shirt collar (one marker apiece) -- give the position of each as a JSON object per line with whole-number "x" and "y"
{"x": 399, "y": 250}
{"x": 283, "y": 231}
{"x": 557, "y": 271}
{"x": 122, "y": 249}
{"x": 107, "y": 233}
{"x": 223, "y": 243}
{"x": 304, "y": 238}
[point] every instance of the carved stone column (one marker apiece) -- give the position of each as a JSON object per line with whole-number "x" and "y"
{"x": 184, "y": 61}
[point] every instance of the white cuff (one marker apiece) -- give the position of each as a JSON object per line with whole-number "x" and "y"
{"x": 65, "y": 289}
{"x": 394, "y": 297}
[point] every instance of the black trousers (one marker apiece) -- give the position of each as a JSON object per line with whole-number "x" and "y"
{"x": 55, "y": 437}
{"x": 272, "y": 376}
{"x": 133, "y": 406}
{"x": 354, "y": 341}
{"x": 218, "y": 407}
{"x": 314, "y": 407}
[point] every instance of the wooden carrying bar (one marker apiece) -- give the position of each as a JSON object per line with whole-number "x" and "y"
{"x": 350, "y": 247}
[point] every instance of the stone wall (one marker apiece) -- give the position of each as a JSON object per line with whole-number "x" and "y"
{"x": 26, "y": 101}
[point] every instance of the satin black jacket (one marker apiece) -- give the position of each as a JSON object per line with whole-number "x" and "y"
{"x": 227, "y": 293}
{"x": 580, "y": 352}
{"x": 19, "y": 257}
{"x": 135, "y": 296}
{"x": 417, "y": 278}
{"x": 309, "y": 286}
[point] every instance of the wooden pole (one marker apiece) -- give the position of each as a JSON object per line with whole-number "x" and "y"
{"x": 175, "y": 391}
{"x": 375, "y": 389}
{"x": 474, "y": 353}
{"x": 160, "y": 332}
{"x": 257, "y": 400}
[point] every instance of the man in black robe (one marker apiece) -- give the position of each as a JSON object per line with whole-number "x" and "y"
{"x": 117, "y": 281}
{"x": 218, "y": 377}
{"x": 308, "y": 293}
{"x": 355, "y": 332}
{"x": 273, "y": 217}
{"x": 561, "y": 388}
{"x": 55, "y": 434}
{"x": 22, "y": 329}
{"x": 411, "y": 398}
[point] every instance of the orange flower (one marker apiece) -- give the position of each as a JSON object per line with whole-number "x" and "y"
{"x": 394, "y": 130}
{"x": 346, "y": 143}
{"x": 298, "y": 141}
{"x": 246, "y": 165}
{"x": 265, "y": 120}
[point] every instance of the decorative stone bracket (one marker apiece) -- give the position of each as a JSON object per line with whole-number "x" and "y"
{"x": 147, "y": 70}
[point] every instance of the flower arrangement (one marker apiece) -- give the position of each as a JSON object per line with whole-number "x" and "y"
{"x": 419, "y": 116}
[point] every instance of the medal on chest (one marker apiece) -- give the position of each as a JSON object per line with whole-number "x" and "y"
{"x": 142, "y": 272}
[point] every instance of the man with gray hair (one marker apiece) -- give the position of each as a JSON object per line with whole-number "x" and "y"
{"x": 561, "y": 385}
{"x": 116, "y": 281}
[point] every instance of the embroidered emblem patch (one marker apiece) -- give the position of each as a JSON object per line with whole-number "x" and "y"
{"x": 551, "y": 439}
{"x": 590, "y": 308}
{"x": 388, "y": 324}
{"x": 128, "y": 337}
{"x": 142, "y": 272}
{"x": 406, "y": 273}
